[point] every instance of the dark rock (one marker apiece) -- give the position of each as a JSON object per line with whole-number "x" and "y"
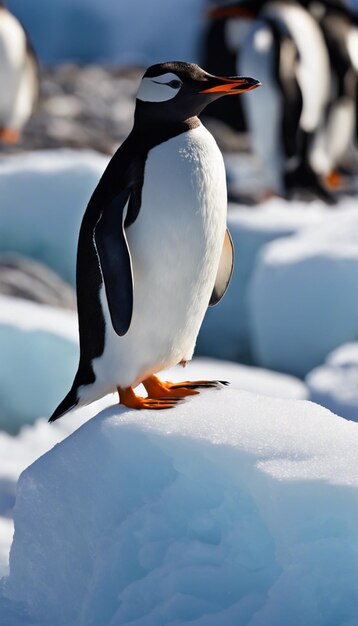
{"x": 21, "y": 277}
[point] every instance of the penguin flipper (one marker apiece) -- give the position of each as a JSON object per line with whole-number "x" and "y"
{"x": 115, "y": 261}
{"x": 225, "y": 270}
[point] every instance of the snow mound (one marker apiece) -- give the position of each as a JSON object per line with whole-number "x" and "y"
{"x": 137, "y": 31}
{"x": 16, "y": 453}
{"x": 43, "y": 196}
{"x": 335, "y": 384}
{"x": 226, "y": 330}
{"x": 39, "y": 356}
{"x": 304, "y": 294}
{"x": 231, "y": 509}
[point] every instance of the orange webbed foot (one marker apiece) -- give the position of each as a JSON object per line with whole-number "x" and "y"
{"x": 128, "y": 398}
{"x": 157, "y": 388}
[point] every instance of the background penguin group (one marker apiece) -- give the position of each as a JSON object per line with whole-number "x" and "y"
{"x": 19, "y": 75}
{"x": 304, "y": 121}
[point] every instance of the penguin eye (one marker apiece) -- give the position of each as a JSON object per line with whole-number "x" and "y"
{"x": 175, "y": 84}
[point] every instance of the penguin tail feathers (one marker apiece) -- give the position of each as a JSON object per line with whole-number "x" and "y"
{"x": 68, "y": 403}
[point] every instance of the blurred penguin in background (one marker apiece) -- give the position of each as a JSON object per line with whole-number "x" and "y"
{"x": 284, "y": 45}
{"x": 339, "y": 26}
{"x": 19, "y": 76}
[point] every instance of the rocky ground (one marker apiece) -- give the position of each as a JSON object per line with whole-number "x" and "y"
{"x": 81, "y": 107}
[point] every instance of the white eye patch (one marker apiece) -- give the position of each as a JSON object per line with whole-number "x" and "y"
{"x": 158, "y": 88}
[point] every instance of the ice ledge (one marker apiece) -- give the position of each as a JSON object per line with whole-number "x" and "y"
{"x": 232, "y": 508}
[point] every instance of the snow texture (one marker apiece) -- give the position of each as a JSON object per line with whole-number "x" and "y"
{"x": 16, "y": 453}
{"x": 335, "y": 384}
{"x": 304, "y": 294}
{"x": 34, "y": 440}
{"x": 230, "y": 509}
{"x": 112, "y": 31}
{"x": 226, "y": 331}
{"x": 39, "y": 348}
{"x": 43, "y": 196}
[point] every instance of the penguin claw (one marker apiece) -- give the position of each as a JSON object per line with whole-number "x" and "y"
{"x": 175, "y": 399}
{"x": 154, "y": 405}
{"x": 175, "y": 392}
{"x": 200, "y": 384}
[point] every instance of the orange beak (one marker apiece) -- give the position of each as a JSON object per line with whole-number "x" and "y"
{"x": 227, "y": 86}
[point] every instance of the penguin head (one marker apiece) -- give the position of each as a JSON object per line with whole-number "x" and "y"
{"x": 175, "y": 91}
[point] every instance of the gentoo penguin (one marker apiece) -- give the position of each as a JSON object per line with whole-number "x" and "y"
{"x": 19, "y": 76}
{"x": 153, "y": 250}
{"x": 284, "y": 41}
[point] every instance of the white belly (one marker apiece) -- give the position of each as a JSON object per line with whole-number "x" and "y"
{"x": 175, "y": 246}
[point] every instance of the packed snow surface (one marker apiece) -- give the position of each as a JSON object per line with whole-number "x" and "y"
{"x": 231, "y": 509}
{"x": 43, "y": 196}
{"x": 304, "y": 294}
{"x": 335, "y": 383}
{"x": 16, "y": 453}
